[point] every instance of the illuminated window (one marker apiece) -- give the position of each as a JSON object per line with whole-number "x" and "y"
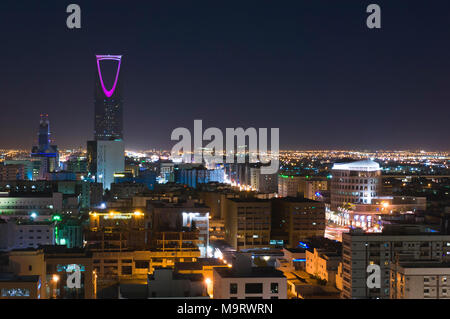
{"x": 274, "y": 287}
{"x": 15, "y": 292}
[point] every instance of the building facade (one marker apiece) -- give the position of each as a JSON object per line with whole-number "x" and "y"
{"x": 361, "y": 250}
{"x": 26, "y": 234}
{"x": 242, "y": 281}
{"x": 420, "y": 280}
{"x": 247, "y": 222}
{"x": 294, "y": 219}
{"x": 356, "y": 182}
{"x": 289, "y": 186}
{"x": 36, "y": 205}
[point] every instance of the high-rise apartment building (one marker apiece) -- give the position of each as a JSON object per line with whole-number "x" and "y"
{"x": 288, "y": 186}
{"x": 247, "y": 222}
{"x": 357, "y": 200}
{"x": 47, "y": 153}
{"x": 295, "y": 218}
{"x": 420, "y": 280}
{"x": 398, "y": 245}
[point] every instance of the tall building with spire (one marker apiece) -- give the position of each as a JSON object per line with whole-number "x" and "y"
{"x": 106, "y": 153}
{"x": 108, "y": 123}
{"x": 47, "y": 153}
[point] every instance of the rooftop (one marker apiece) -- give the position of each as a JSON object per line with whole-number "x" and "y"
{"x": 248, "y": 200}
{"x": 398, "y": 232}
{"x": 255, "y": 272}
{"x": 186, "y": 204}
{"x": 298, "y": 200}
{"x": 366, "y": 166}
{"x": 199, "y": 264}
{"x": 13, "y": 194}
{"x": 425, "y": 264}
{"x": 10, "y": 277}
{"x": 296, "y": 250}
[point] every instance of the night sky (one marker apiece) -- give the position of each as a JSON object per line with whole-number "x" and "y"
{"x": 311, "y": 68}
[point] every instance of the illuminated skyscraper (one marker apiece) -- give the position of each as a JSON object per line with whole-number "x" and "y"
{"x": 108, "y": 103}
{"x": 44, "y": 132}
{"x": 106, "y": 152}
{"x": 47, "y": 153}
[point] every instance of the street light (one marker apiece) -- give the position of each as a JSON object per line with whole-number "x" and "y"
{"x": 55, "y": 279}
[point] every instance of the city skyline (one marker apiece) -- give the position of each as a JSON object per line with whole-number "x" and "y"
{"x": 278, "y": 67}
{"x": 200, "y": 153}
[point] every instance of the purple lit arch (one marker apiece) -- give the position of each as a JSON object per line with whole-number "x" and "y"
{"x": 108, "y": 93}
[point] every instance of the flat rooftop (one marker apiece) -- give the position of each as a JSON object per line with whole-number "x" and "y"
{"x": 178, "y": 204}
{"x": 10, "y": 277}
{"x": 425, "y": 264}
{"x": 199, "y": 264}
{"x": 26, "y": 195}
{"x": 296, "y": 250}
{"x": 255, "y": 272}
{"x": 248, "y": 200}
{"x": 397, "y": 231}
{"x": 298, "y": 200}
{"x": 56, "y": 251}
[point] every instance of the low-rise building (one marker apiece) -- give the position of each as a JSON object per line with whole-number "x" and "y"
{"x": 12, "y": 172}
{"x": 171, "y": 222}
{"x": 19, "y": 287}
{"x": 55, "y": 265}
{"x": 242, "y": 281}
{"x": 20, "y": 234}
{"x": 293, "y": 259}
{"x": 165, "y": 283}
{"x": 420, "y": 280}
{"x": 130, "y": 265}
{"x": 36, "y": 205}
{"x": 323, "y": 264}
{"x": 203, "y": 266}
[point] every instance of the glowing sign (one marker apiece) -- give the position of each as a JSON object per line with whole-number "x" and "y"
{"x": 69, "y": 268}
{"x": 302, "y": 245}
{"x": 118, "y": 58}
